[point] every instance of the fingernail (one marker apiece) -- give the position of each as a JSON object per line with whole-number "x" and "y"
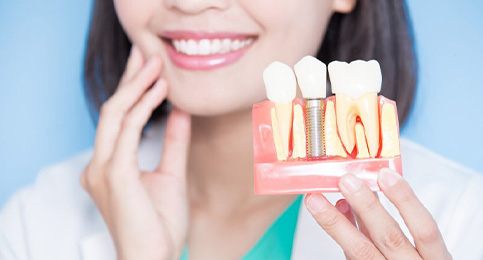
{"x": 316, "y": 203}
{"x": 342, "y": 206}
{"x": 388, "y": 177}
{"x": 350, "y": 183}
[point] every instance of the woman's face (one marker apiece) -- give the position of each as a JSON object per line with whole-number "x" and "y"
{"x": 214, "y": 51}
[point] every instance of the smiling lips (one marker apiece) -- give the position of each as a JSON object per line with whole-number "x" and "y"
{"x": 205, "y": 51}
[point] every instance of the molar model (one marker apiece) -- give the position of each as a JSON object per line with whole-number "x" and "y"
{"x": 355, "y": 131}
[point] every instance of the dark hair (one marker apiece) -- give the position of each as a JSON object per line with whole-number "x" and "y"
{"x": 375, "y": 29}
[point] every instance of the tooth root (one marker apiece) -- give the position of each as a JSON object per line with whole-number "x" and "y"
{"x": 333, "y": 146}
{"x": 368, "y": 111}
{"x": 346, "y": 120}
{"x": 283, "y": 114}
{"x": 389, "y": 131}
{"x": 362, "y": 151}
{"x": 298, "y": 130}
{"x": 277, "y": 141}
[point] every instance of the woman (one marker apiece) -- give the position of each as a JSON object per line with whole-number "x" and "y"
{"x": 194, "y": 199}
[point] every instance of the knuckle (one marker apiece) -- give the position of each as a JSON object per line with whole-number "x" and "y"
{"x": 329, "y": 220}
{"x": 91, "y": 177}
{"x": 406, "y": 195}
{"x": 394, "y": 239}
{"x": 363, "y": 250}
{"x": 106, "y": 108}
{"x": 369, "y": 203}
{"x": 132, "y": 121}
{"x": 428, "y": 234}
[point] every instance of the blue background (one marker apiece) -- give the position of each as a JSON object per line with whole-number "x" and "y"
{"x": 44, "y": 117}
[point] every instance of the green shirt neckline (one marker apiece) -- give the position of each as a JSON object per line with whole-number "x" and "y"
{"x": 277, "y": 241}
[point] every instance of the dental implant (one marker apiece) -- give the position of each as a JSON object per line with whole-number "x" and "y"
{"x": 312, "y": 79}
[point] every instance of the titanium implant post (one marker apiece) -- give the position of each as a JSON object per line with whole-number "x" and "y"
{"x": 314, "y": 123}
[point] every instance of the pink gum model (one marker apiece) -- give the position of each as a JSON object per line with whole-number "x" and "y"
{"x": 298, "y": 176}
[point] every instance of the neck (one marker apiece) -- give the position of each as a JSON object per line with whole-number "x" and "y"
{"x": 221, "y": 163}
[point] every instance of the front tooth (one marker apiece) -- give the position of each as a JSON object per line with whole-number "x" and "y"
{"x": 204, "y": 47}
{"x": 183, "y": 45}
{"x": 191, "y": 47}
{"x": 215, "y": 46}
{"x": 225, "y": 46}
{"x": 356, "y": 86}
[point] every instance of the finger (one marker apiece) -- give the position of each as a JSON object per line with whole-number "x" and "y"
{"x": 176, "y": 144}
{"x": 114, "y": 110}
{"x": 360, "y": 224}
{"x": 345, "y": 209}
{"x": 134, "y": 64}
{"x": 353, "y": 243}
{"x": 362, "y": 227}
{"x": 427, "y": 237}
{"x": 134, "y": 122}
{"x": 383, "y": 230}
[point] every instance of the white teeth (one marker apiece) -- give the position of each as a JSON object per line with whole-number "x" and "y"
{"x": 192, "y": 48}
{"x": 356, "y": 78}
{"x": 356, "y": 86}
{"x": 208, "y": 46}
{"x": 204, "y": 47}
{"x": 312, "y": 77}
{"x": 215, "y": 46}
{"x": 225, "y": 46}
{"x": 280, "y": 82}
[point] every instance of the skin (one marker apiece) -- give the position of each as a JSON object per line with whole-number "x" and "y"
{"x": 201, "y": 192}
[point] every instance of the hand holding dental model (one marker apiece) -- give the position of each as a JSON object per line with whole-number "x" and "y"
{"x": 342, "y": 143}
{"x": 307, "y": 145}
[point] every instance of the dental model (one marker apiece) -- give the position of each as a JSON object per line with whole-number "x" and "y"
{"x": 281, "y": 89}
{"x": 311, "y": 77}
{"x": 355, "y": 86}
{"x": 355, "y": 131}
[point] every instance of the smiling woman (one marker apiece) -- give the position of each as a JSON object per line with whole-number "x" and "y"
{"x": 182, "y": 186}
{"x": 349, "y": 35}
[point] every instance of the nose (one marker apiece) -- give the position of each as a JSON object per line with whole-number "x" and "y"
{"x": 196, "y": 6}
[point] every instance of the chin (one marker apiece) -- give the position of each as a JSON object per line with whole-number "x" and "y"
{"x": 206, "y": 105}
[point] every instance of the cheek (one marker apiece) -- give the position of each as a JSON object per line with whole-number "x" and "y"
{"x": 134, "y": 16}
{"x": 291, "y": 27}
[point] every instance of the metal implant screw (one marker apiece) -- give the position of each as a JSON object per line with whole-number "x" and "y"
{"x": 314, "y": 124}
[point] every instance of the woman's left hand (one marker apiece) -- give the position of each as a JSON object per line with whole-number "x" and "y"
{"x": 378, "y": 235}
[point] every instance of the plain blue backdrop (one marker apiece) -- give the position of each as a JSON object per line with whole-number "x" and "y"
{"x": 44, "y": 117}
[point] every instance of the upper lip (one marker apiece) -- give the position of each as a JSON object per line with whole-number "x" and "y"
{"x": 199, "y": 35}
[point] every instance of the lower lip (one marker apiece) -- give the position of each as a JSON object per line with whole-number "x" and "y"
{"x": 204, "y": 62}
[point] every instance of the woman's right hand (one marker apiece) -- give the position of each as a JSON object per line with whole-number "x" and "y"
{"x": 146, "y": 212}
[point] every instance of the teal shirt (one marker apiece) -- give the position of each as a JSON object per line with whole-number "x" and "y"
{"x": 277, "y": 241}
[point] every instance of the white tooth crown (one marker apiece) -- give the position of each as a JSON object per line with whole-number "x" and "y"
{"x": 312, "y": 77}
{"x": 280, "y": 82}
{"x": 356, "y": 78}
{"x": 209, "y": 46}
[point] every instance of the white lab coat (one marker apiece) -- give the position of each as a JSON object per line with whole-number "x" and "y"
{"x": 55, "y": 219}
